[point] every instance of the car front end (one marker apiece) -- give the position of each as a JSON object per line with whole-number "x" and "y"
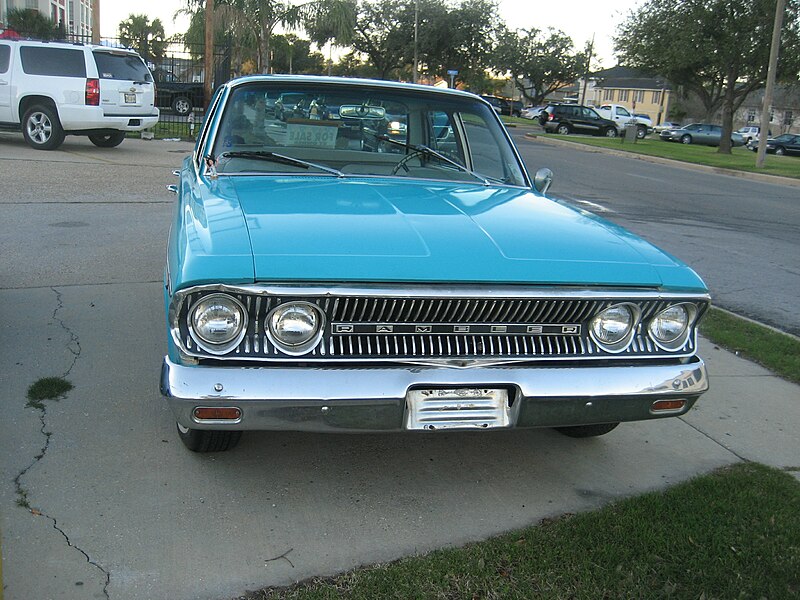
{"x": 323, "y": 284}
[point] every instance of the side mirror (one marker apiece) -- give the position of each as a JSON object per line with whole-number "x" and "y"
{"x": 543, "y": 180}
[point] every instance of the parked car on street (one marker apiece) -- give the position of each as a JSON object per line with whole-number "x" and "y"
{"x": 575, "y": 118}
{"x": 749, "y": 133}
{"x": 178, "y": 95}
{"x": 700, "y": 133}
{"x": 665, "y": 126}
{"x": 623, "y": 118}
{"x": 51, "y": 89}
{"x": 788, "y": 143}
{"x": 316, "y": 283}
{"x": 531, "y": 112}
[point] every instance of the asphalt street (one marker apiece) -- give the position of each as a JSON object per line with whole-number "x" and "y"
{"x": 741, "y": 236}
{"x": 117, "y": 508}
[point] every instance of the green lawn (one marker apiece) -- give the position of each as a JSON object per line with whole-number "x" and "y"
{"x": 732, "y": 534}
{"x": 740, "y": 159}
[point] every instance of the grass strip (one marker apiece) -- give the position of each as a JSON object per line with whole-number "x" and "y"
{"x": 732, "y": 534}
{"x": 740, "y": 158}
{"x": 776, "y": 351}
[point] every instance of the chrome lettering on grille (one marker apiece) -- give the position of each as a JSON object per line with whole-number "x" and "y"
{"x": 449, "y": 329}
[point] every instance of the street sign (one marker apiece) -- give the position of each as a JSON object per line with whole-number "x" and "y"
{"x": 452, "y": 72}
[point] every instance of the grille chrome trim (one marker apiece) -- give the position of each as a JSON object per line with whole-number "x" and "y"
{"x": 552, "y": 314}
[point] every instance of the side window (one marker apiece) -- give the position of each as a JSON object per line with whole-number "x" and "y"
{"x": 60, "y": 62}
{"x": 486, "y": 160}
{"x": 5, "y": 57}
{"x": 622, "y": 112}
{"x": 442, "y": 136}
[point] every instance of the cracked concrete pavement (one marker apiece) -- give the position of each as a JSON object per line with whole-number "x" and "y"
{"x": 119, "y": 509}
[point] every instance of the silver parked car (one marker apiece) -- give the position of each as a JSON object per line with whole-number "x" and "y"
{"x": 700, "y": 133}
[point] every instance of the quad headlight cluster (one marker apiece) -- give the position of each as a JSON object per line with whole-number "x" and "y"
{"x": 218, "y": 323}
{"x": 613, "y": 329}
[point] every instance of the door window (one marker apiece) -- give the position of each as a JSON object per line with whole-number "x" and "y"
{"x": 57, "y": 62}
{"x": 5, "y": 57}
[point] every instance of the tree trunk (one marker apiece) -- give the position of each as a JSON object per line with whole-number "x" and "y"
{"x": 727, "y": 116}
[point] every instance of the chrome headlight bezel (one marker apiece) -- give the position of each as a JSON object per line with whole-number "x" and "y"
{"x": 306, "y": 345}
{"x": 210, "y": 346}
{"x": 624, "y": 342}
{"x": 679, "y": 341}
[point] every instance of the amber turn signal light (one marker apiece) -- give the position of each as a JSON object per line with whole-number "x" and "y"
{"x": 670, "y": 405}
{"x": 217, "y": 414}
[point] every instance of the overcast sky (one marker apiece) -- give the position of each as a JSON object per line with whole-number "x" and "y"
{"x": 577, "y": 18}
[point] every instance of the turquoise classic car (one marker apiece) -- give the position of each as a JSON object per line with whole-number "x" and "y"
{"x": 379, "y": 259}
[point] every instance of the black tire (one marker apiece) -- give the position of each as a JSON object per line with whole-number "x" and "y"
{"x": 107, "y": 140}
{"x": 41, "y": 128}
{"x": 181, "y": 105}
{"x": 610, "y": 132}
{"x": 686, "y": 139}
{"x": 563, "y": 130}
{"x": 585, "y": 431}
{"x": 641, "y": 132}
{"x": 780, "y": 150}
{"x": 208, "y": 440}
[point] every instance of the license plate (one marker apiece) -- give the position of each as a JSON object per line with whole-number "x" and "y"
{"x": 461, "y": 408}
{"x": 130, "y": 98}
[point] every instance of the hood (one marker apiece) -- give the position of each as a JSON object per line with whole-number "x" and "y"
{"x": 380, "y": 230}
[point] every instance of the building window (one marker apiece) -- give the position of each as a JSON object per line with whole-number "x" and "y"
{"x": 788, "y": 118}
{"x": 623, "y": 95}
{"x": 638, "y": 96}
{"x": 608, "y": 95}
{"x": 751, "y": 115}
{"x": 656, "y": 97}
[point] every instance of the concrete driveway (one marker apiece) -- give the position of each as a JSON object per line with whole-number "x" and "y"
{"x": 117, "y": 508}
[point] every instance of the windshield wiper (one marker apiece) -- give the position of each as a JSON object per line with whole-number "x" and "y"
{"x": 280, "y": 158}
{"x": 423, "y": 149}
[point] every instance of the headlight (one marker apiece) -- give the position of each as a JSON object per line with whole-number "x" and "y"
{"x": 295, "y": 327}
{"x": 217, "y": 323}
{"x": 670, "y": 328}
{"x": 613, "y": 328}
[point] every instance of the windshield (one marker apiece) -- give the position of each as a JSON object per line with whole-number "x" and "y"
{"x": 359, "y": 130}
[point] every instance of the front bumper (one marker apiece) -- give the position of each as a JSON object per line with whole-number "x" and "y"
{"x": 375, "y": 398}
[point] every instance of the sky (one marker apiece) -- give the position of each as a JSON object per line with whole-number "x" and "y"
{"x": 580, "y": 19}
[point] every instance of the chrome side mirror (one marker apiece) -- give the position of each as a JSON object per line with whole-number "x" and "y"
{"x": 543, "y": 180}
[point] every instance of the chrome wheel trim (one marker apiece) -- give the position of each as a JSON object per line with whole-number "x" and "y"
{"x": 39, "y": 127}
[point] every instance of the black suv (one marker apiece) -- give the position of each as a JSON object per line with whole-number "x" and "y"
{"x": 575, "y": 118}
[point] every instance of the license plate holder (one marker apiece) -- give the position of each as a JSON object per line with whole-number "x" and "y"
{"x": 433, "y": 409}
{"x": 130, "y": 98}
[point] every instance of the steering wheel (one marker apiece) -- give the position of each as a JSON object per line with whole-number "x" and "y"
{"x": 406, "y": 159}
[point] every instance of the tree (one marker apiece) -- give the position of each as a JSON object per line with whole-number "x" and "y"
{"x": 717, "y": 49}
{"x": 292, "y": 54}
{"x": 546, "y": 60}
{"x": 144, "y": 36}
{"x": 32, "y": 23}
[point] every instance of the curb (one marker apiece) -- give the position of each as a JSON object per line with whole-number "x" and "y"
{"x": 762, "y": 177}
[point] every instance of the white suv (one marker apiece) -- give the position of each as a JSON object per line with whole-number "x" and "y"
{"x": 53, "y": 89}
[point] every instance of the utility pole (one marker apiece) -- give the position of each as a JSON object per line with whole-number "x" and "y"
{"x": 586, "y": 71}
{"x": 763, "y": 132}
{"x": 208, "y": 58}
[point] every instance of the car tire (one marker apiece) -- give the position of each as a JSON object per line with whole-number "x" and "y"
{"x": 780, "y": 151}
{"x": 610, "y": 132}
{"x": 181, "y": 105}
{"x": 208, "y": 440}
{"x": 686, "y": 139}
{"x": 107, "y": 140}
{"x": 562, "y": 130}
{"x": 585, "y": 431}
{"x": 641, "y": 132}
{"x": 41, "y": 128}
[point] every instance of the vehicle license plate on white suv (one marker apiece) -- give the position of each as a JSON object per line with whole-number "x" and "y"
{"x": 460, "y": 408}
{"x": 130, "y": 98}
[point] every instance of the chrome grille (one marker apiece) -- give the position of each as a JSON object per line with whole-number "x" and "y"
{"x": 545, "y": 315}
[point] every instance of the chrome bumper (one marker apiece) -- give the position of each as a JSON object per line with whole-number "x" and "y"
{"x": 375, "y": 399}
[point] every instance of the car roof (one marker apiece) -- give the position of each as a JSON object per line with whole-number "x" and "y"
{"x": 72, "y": 45}
{"x": 347, "y": 81}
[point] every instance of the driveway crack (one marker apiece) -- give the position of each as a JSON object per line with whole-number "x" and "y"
{"x": 74, "y": 348}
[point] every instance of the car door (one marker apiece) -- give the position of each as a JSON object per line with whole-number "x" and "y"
{"x": 793, "y": 147}
{"x": 5, "y": 83}
{"x": 126, "y": 85}
{"x": 593, "y": 122}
